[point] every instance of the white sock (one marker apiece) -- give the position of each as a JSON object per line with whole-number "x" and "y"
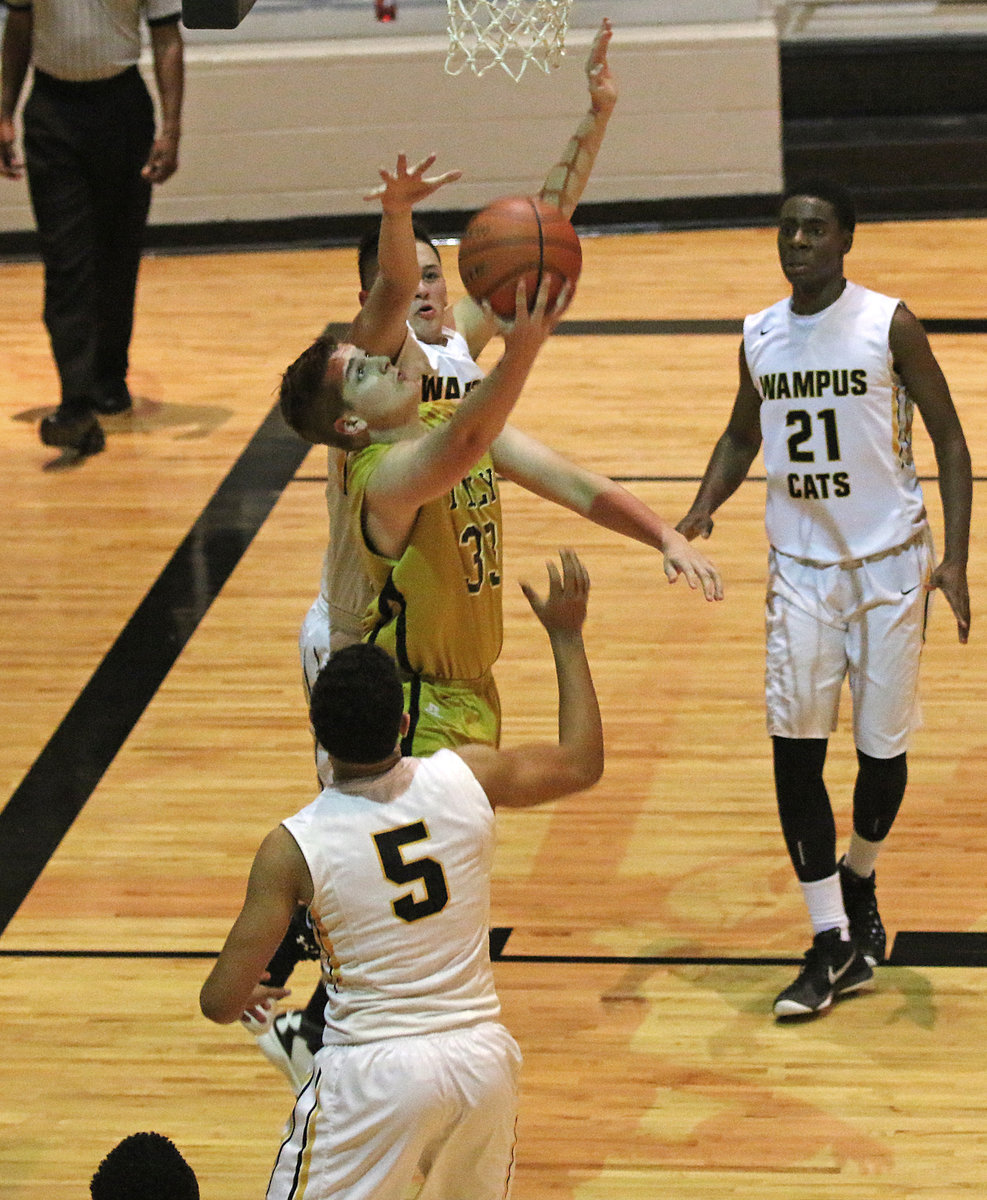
{"x": 824, "y": 900}
{"x": 862, "y": 855}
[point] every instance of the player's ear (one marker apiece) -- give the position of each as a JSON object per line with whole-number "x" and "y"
{"x": 363, "y": 294}
{"x": 405, "y": 724}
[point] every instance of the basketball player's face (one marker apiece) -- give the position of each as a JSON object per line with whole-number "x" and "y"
{"x": 373, "y": 387}
{"x": 811, "y": 243}
{"x": 431, "y": 297}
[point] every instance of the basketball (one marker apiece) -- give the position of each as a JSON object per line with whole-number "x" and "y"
{"x": 518, "y": 236}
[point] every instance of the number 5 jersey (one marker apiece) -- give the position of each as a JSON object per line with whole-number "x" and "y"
{"x": 400, "y": 864}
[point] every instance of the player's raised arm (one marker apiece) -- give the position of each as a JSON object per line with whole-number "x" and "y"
{"x": 421, "y": 468}
{"x": 566, "y": 178}
{"x": 536, "y": 772}
{"x": 380, "y": 325}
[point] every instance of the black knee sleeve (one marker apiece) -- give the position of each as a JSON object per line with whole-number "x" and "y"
{"x": 803, "y": 806}
{"x": 877, "y": 795}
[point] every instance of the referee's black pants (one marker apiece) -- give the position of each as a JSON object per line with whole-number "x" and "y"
{"x": 85, "y": 145}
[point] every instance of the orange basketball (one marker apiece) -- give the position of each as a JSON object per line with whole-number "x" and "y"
{"x": 515, "y": 236}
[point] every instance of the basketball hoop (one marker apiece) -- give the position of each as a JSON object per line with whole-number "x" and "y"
{"x": 508, "y": 33}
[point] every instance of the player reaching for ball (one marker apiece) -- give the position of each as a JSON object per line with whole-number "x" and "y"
{"x": 405, "y": 319}
{"x": 405, "y": 315}
{"x": 424, "y": 510}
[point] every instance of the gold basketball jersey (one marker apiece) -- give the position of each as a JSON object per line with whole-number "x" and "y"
{"x": 438, "y": 609}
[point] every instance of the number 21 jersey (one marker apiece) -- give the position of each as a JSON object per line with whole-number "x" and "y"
{"x": 837, "y": 427}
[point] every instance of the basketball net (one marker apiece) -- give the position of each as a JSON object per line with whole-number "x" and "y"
{"x": 508, "y": 33}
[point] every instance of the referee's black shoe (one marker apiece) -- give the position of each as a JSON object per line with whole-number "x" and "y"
{"x": 70, "y": 430}
{"x": 113, "y": 396}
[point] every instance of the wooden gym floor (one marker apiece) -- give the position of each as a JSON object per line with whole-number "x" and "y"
{"x": 155, "y": 730}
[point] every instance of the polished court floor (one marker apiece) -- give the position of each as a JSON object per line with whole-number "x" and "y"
{"x": 155, "y": 730}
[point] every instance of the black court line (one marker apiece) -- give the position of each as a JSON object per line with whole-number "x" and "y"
{"x": 645, "y": 327}
{"x": 54, "y": 791}
{"x": 323, "y": 479}
{"x": 658, "y": 327}
{"x": 909, "y": 949}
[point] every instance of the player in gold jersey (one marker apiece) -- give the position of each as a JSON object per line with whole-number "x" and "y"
{"x": 435, "y": 558}
{"x": 424, "y": 508}
{"x": 406, "y": 314}
{"x": 438, "y": 607}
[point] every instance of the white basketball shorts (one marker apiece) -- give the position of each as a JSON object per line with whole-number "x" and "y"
{"x": 863, "y": 620}
{"x": 313, "y": 642}
{"x": 377, "y": 1116}
{"x": 313, "y": 649}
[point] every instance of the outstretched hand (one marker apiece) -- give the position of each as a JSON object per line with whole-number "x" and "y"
{"x": 404, "y": 188}
{"x": 681, "y": 558}
{"x": 563, "y": 610}
{"x": 602, "y": 86}
{"x": 951, "y": 581}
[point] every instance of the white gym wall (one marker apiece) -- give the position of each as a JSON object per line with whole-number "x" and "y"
{"x": 296, "y": 126}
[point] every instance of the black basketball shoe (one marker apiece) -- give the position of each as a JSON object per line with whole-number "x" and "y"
{"x": 860, "y": 902}
{"x": 831, "y": 968}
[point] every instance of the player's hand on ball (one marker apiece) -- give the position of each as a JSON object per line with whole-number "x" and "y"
{"x": 539, "y": 321}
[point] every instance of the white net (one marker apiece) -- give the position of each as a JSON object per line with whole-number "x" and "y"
{"x": 506, "y": 33}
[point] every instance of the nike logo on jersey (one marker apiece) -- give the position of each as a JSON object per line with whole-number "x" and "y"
{"x": 908, "y": 591}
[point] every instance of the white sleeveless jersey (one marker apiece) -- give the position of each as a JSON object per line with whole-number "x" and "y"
{"x": 448, "y": 372}
{"x": 837, "y": 429}
{"x": 401, "y": 868}
{"x": 453, "y": 370}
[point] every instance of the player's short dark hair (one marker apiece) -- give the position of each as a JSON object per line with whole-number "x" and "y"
{"x": 357, "y": 703}
{"x": 835, "y": 194}
{"x": 366, "y": 257}
{"x": 144, "y": 1166}
{"x": 309, "y": 403}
